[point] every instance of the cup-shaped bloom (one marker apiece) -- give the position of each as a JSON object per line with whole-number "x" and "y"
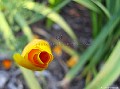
{"x": 35, "y": 56}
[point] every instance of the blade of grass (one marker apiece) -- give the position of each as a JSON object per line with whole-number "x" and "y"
{"x": 110, "y": 71}
{"x": 94, "y": 60}
{"x": 102, "y": 50}
{"x": 89, "y": 4}
{"x": 101, "y": 21}
{"x": 30, "y": 78}
{"x": 107, "y": 29}
{"x": 56, "y": 5}
{"x": 46, "y": 11}
{"x": 61, "y": 5}
{"x": 94, "y": 6}
{"x": 117, "y": 34}
{"x": 7, "y": 32}
{"x": 108, "y": 4}
{"x": 113, "y": 6}
{"x": 117, "y": 5}
{"x": 35, "y": 18}
{"x": 94, "y": 24}
{"x": 25, "y": 28}
{"x": 106, "y": 12}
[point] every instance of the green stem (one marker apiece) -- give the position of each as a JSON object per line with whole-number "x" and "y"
{"x": 23, "y": 24}
{"x": 7, "y": 32}
{"x": 89, "y": 52}
{"x": 94, "y": 24}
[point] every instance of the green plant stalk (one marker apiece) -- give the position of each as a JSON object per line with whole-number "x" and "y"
{"x": 110, "y": 71}
{"x": 108, "y": 4}
{"x": 49, "y": 23}
{"x": 25, "y": 28}
{"x": 54, "y": 3}
{"x": 101, "y": 21}
{"x": 56, "y": 7}
{"x": 112, "y": 38}
{"x": 7, "y": 32}
{"x": 61, "y": 5}
{"x": 102, "y": 50}
{"x": 94, "y": 60}
{"x": 111, "y": 6}
{"x": 35, "y": 19}
{"x": 117, "y": 34}
{"x": 98, "y": 55}
{"x": 117, "y": 5}
{"x": 94, "y": 71}
{"x": 30, "y": 78}
{"x": 94, "y": 24}
{"x": 108, "y": 28}
{"x": 95, "y": 6}
{"x": 106, "y": 12}
{"x": 88, "y": 78}
{"x": 89, "y": 4}
{"x": 41, "y": 9}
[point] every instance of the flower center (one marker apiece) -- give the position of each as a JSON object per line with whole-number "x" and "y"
{"x": 44, "y": 56}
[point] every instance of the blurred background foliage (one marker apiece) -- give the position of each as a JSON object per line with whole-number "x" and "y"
{"x": 98, "y": 64}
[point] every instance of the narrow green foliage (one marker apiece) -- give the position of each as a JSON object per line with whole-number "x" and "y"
{"x": 113, "y": 6}
{"x": 7, "y": 32}
{"x": 51, "y": 15}
{"x": 56, "y": 5}
{"x": 25, "y": 28}
{"x": 106, "y": 12}
{"x": 89, "y": 4}
{"x": 108, "y": 28}
{"x": 95, "y": 29}
{"x": 109, "y": 73}
{"x": 30, "y": 78}
{"x": 61, "y": 5}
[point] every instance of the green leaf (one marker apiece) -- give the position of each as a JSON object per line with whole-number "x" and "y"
{"x": 113, "y": 6}
{"x": 107, "y": 29}
{"x": 106, "y": 12}
{"x": 7, "y": 32}
{"x": 61, "y": 5}
{"x": 49, "y": 13}
{"x": 25, "y": 28}
{"x": 94, "y": 6}
{"x": 94, "y": 24}
{"x": 30, "y": 78}
{"x": 109, "y": 73}
{"x": 89, "y": 4}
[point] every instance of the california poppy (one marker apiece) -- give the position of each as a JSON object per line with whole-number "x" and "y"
{"x": 35, "y": 56}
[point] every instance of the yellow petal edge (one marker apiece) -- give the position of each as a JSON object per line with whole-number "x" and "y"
{"x": 40, "y": 62}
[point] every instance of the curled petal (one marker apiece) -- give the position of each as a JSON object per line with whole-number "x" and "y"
{"x": 35, "y": 56}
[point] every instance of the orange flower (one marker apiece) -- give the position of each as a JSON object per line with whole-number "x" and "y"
{"x": 72, "y": 61}
{"x": 35, "y": 56}
{"x": 58, "y": 50}
{"x": 7, "y": 63}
